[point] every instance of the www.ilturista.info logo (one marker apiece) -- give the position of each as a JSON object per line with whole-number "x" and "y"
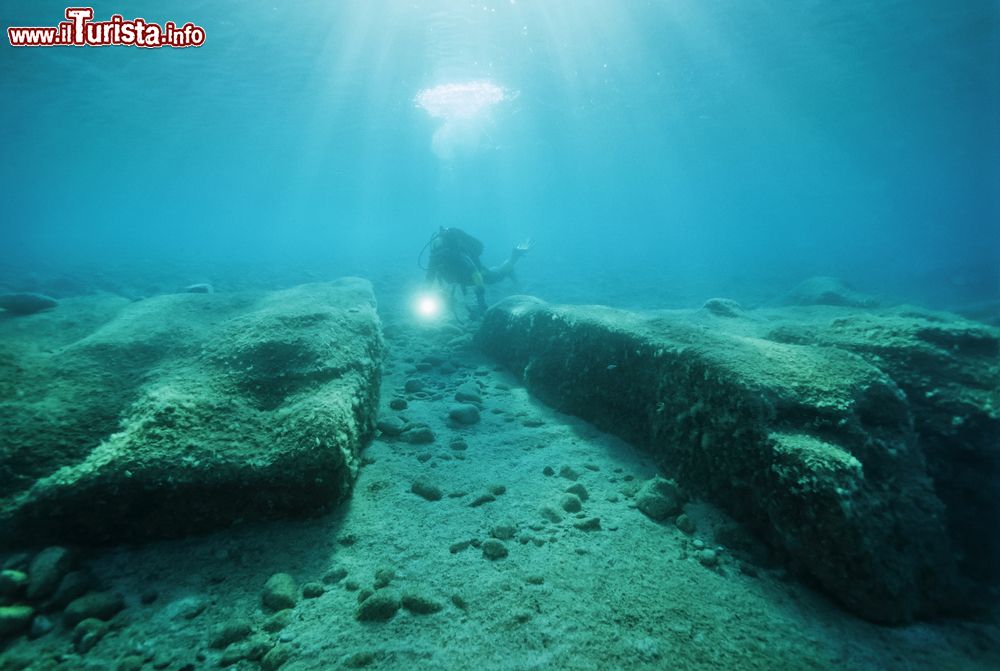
{"x": 80, "y": 30}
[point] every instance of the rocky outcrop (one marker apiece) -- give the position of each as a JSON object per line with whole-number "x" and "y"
{"x": 184, "y": 413}
{"x": 797, "y": 421}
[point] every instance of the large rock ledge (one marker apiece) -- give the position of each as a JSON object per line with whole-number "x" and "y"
{"x": 184, "y": 413}
{"x": 847, "y": 438}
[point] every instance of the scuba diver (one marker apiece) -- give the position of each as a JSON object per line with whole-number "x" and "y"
{"x": 454, "y": 259}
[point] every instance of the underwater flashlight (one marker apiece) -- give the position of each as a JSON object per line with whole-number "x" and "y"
{"x": 428, "y": 305}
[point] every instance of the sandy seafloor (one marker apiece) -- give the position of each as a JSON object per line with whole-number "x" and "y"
{"x": 628, "y": 596}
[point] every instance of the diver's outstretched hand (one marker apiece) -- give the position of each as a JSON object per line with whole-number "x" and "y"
{"x": 523, "y": 247}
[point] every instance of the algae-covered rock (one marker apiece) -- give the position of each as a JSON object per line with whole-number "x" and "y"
{"x": 827, "y": 291}
{"x": 214, "y": 408}
{"x": 26, "y": 303}
{"x": 15, "y": 619}
{"x": 801, "y": 422}
{"x": 280, "y": 592}
{"x": 658, "y": 498}
{"x": 96, "y": 606}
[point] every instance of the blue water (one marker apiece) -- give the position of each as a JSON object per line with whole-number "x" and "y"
{"x": 699, "y": 146}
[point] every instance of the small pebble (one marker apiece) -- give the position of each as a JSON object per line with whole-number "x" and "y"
{"x": 378, "y": 607}
{"x": 420, "y": 604}
{"x": 426, "y": 490}
{"x": 569, "y": 473}
{"x": 280, "y": 592}
{"x": 494, "y": 549}
{"x": 589, "y": 524}
{"x": 313, "y": 590}
{"x": 481, "y": 499}
{"x": 571, "y": 503}
{"x": 464, "y": 413}
{"x": 708, "y": 558}
{"x": 335, "y": 575}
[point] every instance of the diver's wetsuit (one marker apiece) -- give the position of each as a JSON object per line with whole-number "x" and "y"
{"x": 454, "y": 259}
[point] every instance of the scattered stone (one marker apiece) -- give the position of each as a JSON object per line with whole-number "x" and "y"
{"x": 200, "y": 288}
{"x": 459, "y": 445}
{"x": 230, "y": 633}
{"x": 352, "y": 585}
{"x": 455, "y": 548}
{"x": 41, "y": 625}
{"x": 17, "y": 562}
{"x": 275, "y": 658}
{"x": 658, "y": 498}
{"x": 569, "y": 473}
{"x": 532, "y": 422}
{"x": 498, "y": 490}
{"x": 398, "y": 404}
{"x": 548, "y": 471}
{"x": 708, "y": 558}
{"x": 278, "y": 621}
{"x": 364, "y": 594}
{"x": 12, "y": 583}
{"x": 187, "y": 608}
{"x": 464, "y": 413}
{"x": 88, "y": 633}
{"x": 426, "y": 490}
{"x": 534, "y": 580}
{"x": 26, "y": 303}
{"x": 494, "y": 549}
{"x": 723, "y": 307}
{"x": 413, "y": 385}
{"x": 468, "y": 392}
{"x": 391, "y": 426}
{"x": 550, "y": 513}
{"x": 378, "y": 607}
{"x": 93, "y": 606}
{"x": 579, "y": 490}
{"x": 73, "y": 585}
{"x": 424, "y": 457}
{"x": 459, "y": 602}
{"x": 130, "y": 663}
{"x": 503, "y": 532}
{"x": 335, "y": 575}
{"x": 571, "y": 503}
{"x": 359, "y": 660}
{"x": 685, "y": 524}
{"x": 46, "y": 570}
{"x": 522, "y": 615}
{"x": 589, "y": 524}
{"x": 313, "y": 590}
{"x": 698, "y": 544}
{"x": 384, "y": 576}
{"x": 280, "y": 592}
{"x": 481, "y": 499}
{"x": 419, "y": 604}
{"x": 418, "y": 435}
{"x": 15, "y": 619}
{"x": 253, "y": 649}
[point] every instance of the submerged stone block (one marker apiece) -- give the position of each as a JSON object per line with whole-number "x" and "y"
{"x": 216, "y": 408}
{"x": 810, "y": 441}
